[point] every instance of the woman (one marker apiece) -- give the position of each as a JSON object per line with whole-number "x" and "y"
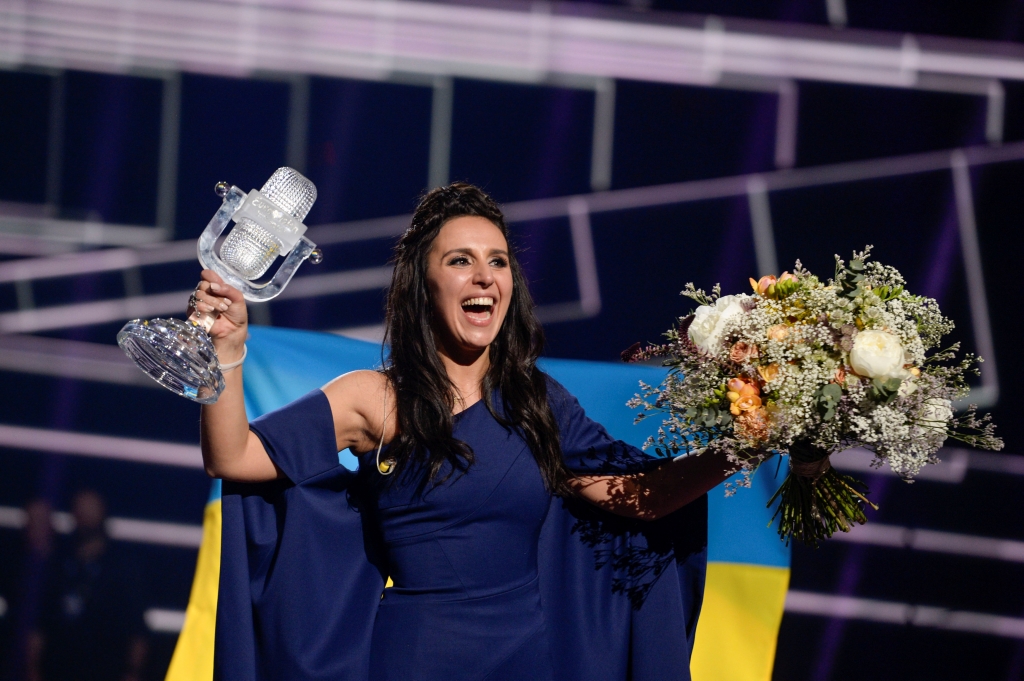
{"x": 462, "y": 441}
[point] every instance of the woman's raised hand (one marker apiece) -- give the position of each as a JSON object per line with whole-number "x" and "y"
{"x": 231, "y": 324}
{"x": 230, "y": 450}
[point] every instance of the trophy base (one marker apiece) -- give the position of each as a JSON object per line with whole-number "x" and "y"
{"x": 178, "y": 355}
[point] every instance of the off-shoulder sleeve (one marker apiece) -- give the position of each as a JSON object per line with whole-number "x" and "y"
{"x": 299, "y": 437}
{"x": 621, "y": 596}
{"x": 587, "y": 448}
{"x": 301, "y": 571}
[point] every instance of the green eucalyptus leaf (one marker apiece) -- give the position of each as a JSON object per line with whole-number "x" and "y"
{"x": 833, "y": 391}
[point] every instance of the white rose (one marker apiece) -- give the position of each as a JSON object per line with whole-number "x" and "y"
{"x": 877, "y": 354}
{"x": 908, "y": 386}
{"x": 935, "y": 415}
{"x": 709, "y": 321}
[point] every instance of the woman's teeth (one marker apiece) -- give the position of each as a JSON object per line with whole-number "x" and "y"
{"x": 478, "y": 308}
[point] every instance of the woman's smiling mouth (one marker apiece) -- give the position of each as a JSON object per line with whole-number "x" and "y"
{"x": 478, "y": 309}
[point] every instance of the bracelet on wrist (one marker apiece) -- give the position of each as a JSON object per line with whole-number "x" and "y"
{"x": 224, "y": 368}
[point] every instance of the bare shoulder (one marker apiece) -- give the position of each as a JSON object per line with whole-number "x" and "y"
{"x": 361, "y": 380}
{"x": 361, "y": 391}
{"x": 359, "y": 401}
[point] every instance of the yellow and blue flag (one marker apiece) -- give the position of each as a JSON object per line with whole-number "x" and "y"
{"x": 748, "y": 566}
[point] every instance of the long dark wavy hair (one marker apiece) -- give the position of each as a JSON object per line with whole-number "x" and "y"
{"x": 424, "y": 394}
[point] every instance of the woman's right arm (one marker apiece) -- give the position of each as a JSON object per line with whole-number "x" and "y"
{"x": 230, "y": 450}
{"x": 233, "y": 452}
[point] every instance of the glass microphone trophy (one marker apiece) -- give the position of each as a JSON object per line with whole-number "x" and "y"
{"x": 180, "y": 355}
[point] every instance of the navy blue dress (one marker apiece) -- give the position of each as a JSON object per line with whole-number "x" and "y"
{"x": 493, "y": 577}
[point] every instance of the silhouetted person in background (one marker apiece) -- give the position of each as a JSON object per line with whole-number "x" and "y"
{"x": 91, "y": 626}
{"x": 24, "y": 575}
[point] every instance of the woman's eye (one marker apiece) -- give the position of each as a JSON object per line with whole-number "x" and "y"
{"x": 459, "y": 260}
{"x": 499, "y": 262}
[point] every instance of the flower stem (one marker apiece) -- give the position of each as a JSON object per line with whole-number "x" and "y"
{"x": 815, "y": 501}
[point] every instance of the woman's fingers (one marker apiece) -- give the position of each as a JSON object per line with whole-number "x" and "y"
{"x": 214, "y": 295}
{"x": 213, "y": 283}
{"x": 210, "y": 303}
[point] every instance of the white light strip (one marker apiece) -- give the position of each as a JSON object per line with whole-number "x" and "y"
{"x": 603, "y": 141}
{"x": 787, "y": 124}
{"x": 95, "y": 312}
{"x": 164, "y": 621}
{"x": 101, "y": 446}
{"x": 16, "y": 244}
{"x": 121, "y": 529}
{"x": 952, "y": 466}
{"x": 12, "y": 517}
{"x": 977, "y": 295}
{"x": 891, "y": 612}
{"x": 78, "y": 232}
{"x": 583, "y": 254}
{"x": 440, "y": 153}
{"x": 1005, "y": 464}
{"x": 152, "y": 532}
{"x": 879, "y": 534}
{"x": 120, "y": 309}
{"x": 72, "y": 359}
{"x": 3, "y": 606}
{"x": 367, "y": 38}
{"x": 97, "y": 261}
{"x": 761, "y": 225}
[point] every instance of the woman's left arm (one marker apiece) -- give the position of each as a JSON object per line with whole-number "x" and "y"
{"x": 620, "y": 478}
{"x": 656, "y": 492}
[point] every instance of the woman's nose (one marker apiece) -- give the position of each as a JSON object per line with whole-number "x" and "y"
{"x": 482, "y": 275}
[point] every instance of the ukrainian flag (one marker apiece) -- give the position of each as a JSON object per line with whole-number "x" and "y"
{"x": 748, "y": 566}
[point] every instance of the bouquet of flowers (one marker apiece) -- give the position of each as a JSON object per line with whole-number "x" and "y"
{"x": 812, "y": 368}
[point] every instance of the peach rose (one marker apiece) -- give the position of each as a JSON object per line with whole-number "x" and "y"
{"x": 765, "y": 286}
{"x": 778, "y": 332}
{"x": 745, "y": 403}
{"x": 840, "y": 375}
{"x": 736, "y": 384}
{"x": 742, "y": 351}
{"x": 769, "y": 372}
{"x": 743, "y": 395}
{"x": 762, "y": 285}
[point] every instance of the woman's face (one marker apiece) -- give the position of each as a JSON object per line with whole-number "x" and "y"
{"x": 470, "y": 283}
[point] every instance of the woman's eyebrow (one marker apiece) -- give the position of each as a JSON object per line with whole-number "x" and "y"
{"x": 469, "y": 251}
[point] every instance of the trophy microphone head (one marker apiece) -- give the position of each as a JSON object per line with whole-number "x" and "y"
{"x": 250, "y": 249}
{"x": 291, "y": 192}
